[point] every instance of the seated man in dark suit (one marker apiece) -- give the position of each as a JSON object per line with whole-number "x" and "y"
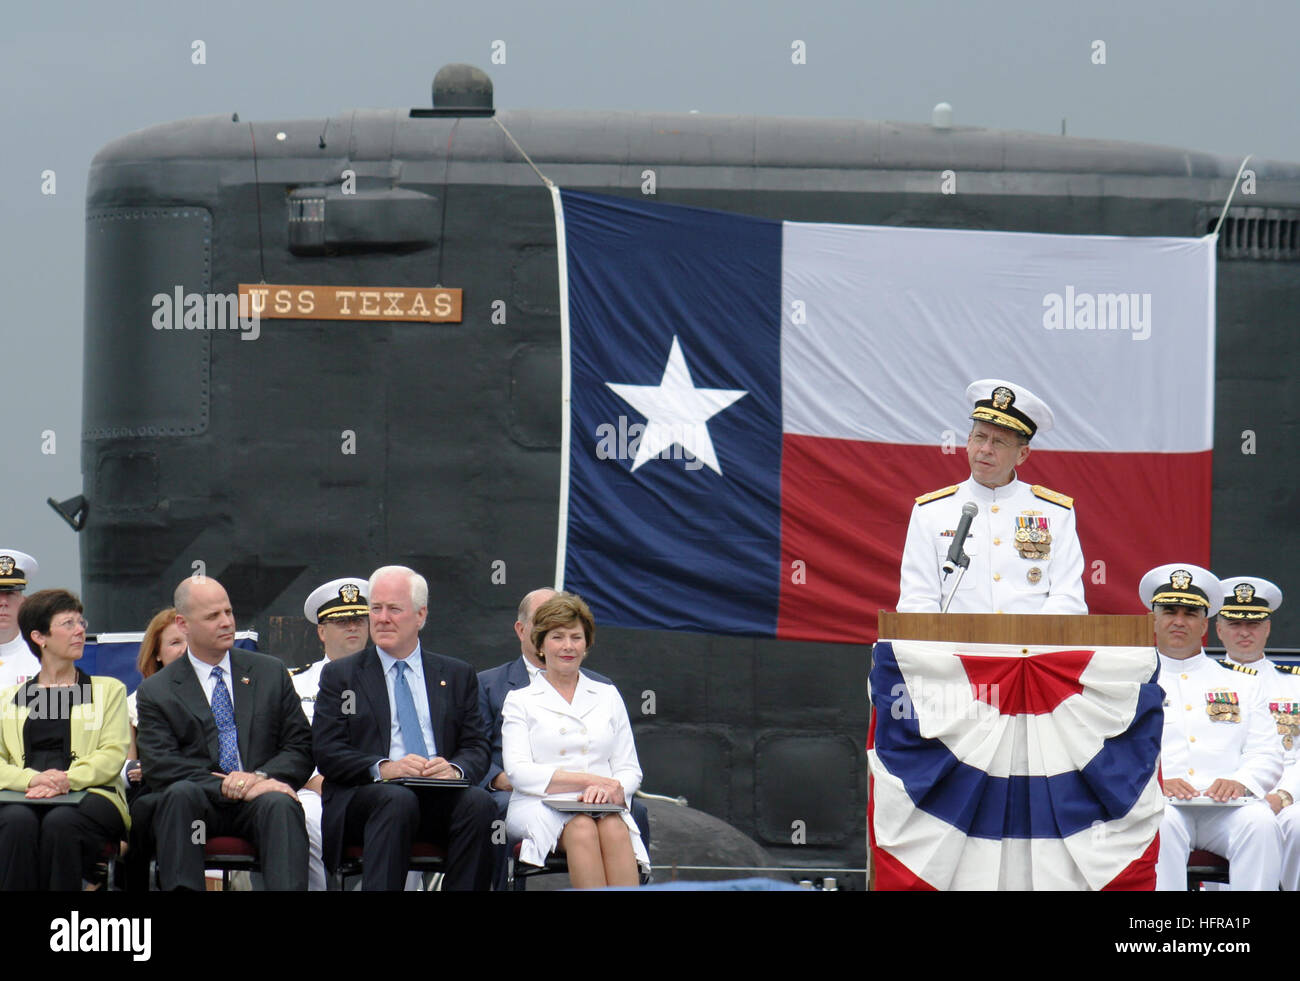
{"x": 223, "y": 739}
{"x": 494, "y": 685}
{"x": 395, "y": 710}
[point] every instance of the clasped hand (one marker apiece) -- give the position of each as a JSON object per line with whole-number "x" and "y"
{"x": 249, "y": 786}
{"x": 414, "y": 765}
{"x": 48, "y": 783}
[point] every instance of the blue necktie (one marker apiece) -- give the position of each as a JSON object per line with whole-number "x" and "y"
{"x": 223, "y": 710}
{"x": 407, "y": 719}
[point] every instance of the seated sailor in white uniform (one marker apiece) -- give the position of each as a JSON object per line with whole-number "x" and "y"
{"x": 342, "y": 617}
{"x": 1218, "y": 747}
{"x": 1243, "y": 625}
{"x": 568, "y": 736}
{"x": 17, "y": 664}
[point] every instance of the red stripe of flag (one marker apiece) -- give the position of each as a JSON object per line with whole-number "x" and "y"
{"x": 845, "y": 506}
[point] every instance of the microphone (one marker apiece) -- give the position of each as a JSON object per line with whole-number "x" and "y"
{"x": 957, "y": 550}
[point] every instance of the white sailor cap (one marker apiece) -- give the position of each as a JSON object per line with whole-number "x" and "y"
{"x": 1011, "y": 406}
{"x": 336, "y": 600}
{"x": 16, "y": 569}
{"x": 1181, "y": 584}
{"x": 1249, "y": 598}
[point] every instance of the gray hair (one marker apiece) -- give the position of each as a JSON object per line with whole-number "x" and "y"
{"x": 419, "y": 586}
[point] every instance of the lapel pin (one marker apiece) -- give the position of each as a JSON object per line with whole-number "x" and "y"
{"x": 244, "y": 680}
{"x": 443, "y": 683}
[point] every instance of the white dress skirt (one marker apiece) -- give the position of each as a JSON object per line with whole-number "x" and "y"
{"x": 542, "y": 733}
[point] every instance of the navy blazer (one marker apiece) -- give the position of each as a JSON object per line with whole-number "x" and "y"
{"x": 494, "y": 685}
{"x": 351, "y": 731}
{"x": 177, "y": 734}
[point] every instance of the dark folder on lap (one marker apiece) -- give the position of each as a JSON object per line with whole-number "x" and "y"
{"x": 20, "y": 797}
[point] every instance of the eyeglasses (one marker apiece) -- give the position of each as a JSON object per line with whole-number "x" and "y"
{"x": 997, "y": 442}
{"x": 71, "y": 623}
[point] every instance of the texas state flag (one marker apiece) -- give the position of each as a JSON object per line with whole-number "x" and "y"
{"x": 752, "y": 405}
{"x": 996, "y": 767}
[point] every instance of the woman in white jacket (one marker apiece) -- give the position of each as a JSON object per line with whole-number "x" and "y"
{"x": 568, "y": 736}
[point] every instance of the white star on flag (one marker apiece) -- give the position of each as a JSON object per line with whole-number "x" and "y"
{"x": 676, "y": 412}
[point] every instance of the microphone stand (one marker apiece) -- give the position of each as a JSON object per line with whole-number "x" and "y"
{"x": 962, "y": 564}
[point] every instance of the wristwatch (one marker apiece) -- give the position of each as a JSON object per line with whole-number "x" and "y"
{"x": 1285, "y": 797}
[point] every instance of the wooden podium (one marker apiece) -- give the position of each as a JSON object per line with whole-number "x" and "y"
{"x": 1020, "y": 628}
{"x": 1027, "y": 630}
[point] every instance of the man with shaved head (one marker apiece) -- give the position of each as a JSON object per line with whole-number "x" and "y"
{"x": 224, "y": 740}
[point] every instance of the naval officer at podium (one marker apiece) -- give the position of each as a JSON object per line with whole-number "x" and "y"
{"x": 1022, "y": 544}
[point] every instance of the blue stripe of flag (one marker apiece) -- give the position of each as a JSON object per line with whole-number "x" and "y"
{"x": 670, "y": 546}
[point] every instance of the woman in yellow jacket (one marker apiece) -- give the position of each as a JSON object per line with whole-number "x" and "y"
{"x": 61, "y": 731}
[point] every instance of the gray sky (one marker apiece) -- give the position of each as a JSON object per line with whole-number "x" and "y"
{"x": 75, "y": 76}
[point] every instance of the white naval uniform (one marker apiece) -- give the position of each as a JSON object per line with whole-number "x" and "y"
{"x": 17, "y": 663}
{"x": 1200, "y": 750}
{"x": 999, "y": 579}
{"x": 306, "y": 683}
{"x": 1282, "y": 686}
{"x": 542, "y": 733}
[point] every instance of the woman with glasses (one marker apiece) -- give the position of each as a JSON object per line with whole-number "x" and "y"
{"x": 63, "y": 740}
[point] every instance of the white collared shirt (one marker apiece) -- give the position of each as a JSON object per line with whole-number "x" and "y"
{"x": 419, "y": 693}
{"x": 207, "y": 679}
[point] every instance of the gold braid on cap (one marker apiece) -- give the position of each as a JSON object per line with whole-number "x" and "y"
{"x": 1180, "y": 599}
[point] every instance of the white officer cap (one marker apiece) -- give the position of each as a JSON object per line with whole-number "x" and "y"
{"x": 1249, "y": 598}
{"x": 1011, "y": 406}
{"x": 16, "y": 569}
{"x": 337, "y": 599}
{"x": 1181, "y": 584}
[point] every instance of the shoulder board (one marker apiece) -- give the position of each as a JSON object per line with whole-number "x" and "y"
{"x": 936, "y": 495}
{"x": 1050, "y": 495}
{"x": 305, "y": 667}
{"x": 1234, "y": 666}
{"x": 1287, "y": 668}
